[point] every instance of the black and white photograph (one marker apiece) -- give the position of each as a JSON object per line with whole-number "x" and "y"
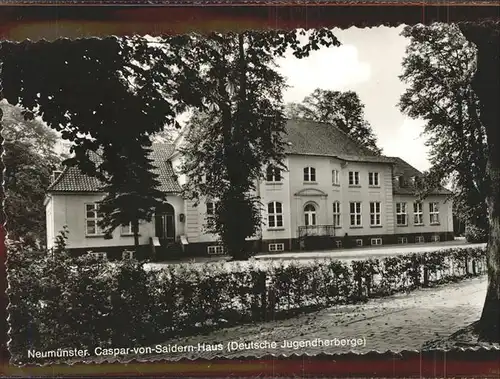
{"x": 252, "y": 194}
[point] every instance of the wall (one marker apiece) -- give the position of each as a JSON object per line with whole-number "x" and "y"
{"x": 69, "y": 209}
{"x": 445, "y": 215}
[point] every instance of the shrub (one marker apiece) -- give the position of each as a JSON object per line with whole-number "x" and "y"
{"x": 475, "y": 234}
{"x": 61, "y": 302}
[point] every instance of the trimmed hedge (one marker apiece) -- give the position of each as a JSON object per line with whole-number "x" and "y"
{"x": 63, "y": 302}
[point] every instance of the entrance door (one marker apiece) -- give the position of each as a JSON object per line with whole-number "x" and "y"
{"x": 165, "y": 223}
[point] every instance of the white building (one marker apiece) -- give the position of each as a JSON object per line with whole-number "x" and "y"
{"x": 333, "y": 192}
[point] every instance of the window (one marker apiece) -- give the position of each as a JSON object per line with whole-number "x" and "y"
{"x": 310, "y": 215}
{"x": 359, "y": 242}
{"x": 128, "y": 255}
{"x": 373, "y": 179}
{"x": 353, "y": 178}
{"x": 273, "y": 174}
{"x": 434, "y": 213}
{"x": 276, "y": 247}
{"x": 126, "y": 230}
{"x": 435, "y": 238}
{"x": 375, "y": 213}
{"x": 376, "y": 241}
{"x": 402, "y": 240}
{"x": 309, "y": 174}
{"x": 92, "y": 218}
{"x": 338, "y": 243}
{"x": 336, "y": 214}
{"x": 401, "y": 214}
{"x": 210, "y": 213}
{"x": 274, "y": 215}
{"x": 419, "y": 239}
{"x": 335, "y": 177}
{"x": 215, "y": 250}
{"x": 418, "y": 214}
{"x": 100, "y": 256}
{"x": 355, "y": 213}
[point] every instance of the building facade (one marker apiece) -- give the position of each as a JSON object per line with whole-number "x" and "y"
{"x": 332, "y": 194}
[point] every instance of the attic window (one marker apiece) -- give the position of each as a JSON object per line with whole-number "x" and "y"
{"x": 401, "y": 181}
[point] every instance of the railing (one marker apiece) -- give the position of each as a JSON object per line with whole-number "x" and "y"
{"x": 317, "y": 230}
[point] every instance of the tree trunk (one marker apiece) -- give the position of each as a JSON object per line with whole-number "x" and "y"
{"x": 135, "y": 230}
{"x": 486, "y": 84}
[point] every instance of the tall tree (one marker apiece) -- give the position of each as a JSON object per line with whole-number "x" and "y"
{"x": 244, "y": 126}
{"x": 29, "y": 159}
{"x": 438, "y": 67}
{"x": 486, "y": 84}
{"x": 342, "y": 109}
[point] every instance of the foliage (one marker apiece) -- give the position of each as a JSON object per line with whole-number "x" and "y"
{"x": 29, "y": 160}
{"x": 342, "y": 109}
{"x": 241, "y": 128}
{"x": 475, "y": 234}
{"x": 438, "y": 67}
{"x": 82, "y": 302}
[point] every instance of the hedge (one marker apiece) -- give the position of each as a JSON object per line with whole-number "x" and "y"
{"x": 63, "y": 302}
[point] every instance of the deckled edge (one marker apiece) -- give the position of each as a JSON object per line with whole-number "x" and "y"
{"x": 159, "y": 359}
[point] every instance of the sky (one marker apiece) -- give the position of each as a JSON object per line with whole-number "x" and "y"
{"x": 369, "y": 63}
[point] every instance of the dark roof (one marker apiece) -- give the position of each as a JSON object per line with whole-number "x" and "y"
{"x": 306, "y": 137}
{"x": 408, "y": 172}
{"x": 73, "y": 180}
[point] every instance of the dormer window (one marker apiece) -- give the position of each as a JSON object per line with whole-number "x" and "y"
{"x": 273, "y": 174}
{"x": 400, "y": 180}
{"x": 309, "y": 174}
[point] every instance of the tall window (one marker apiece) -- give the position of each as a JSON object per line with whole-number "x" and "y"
{"x": 373, "y": 179}
{"x": 401, "y": 214}
{"x": 92, "y": 218}
{"x": 275, "y": 215}
{"x": 335, "y": 177}
{"x": 273, "y": 174}
{"x": 434, "y": 213}
{"x": 210, "y": 213}
{"x": 355, "y": 213}
{"x": 309, "y": 174}
{"x": 310, "y": 215}
{"x": 336, "y": 214}
{"x": 418, "y": 214}
{"x": 375, "y": 213}
{"x": 353, "y": 178}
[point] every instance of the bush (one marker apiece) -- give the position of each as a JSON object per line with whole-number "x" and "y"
{"x": 61, "y": 302}
{"x": 475, "y": 234}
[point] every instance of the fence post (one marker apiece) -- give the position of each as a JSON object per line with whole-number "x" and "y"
{"x": 474, "y": 269}
{"x": 426, "y": 276}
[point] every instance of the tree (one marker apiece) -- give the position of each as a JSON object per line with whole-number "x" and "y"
{"x": 486, "y": 85}
{"x": 29, "y": 161}
{"x": 438, "y": 67}
{"x": 241, "y": 130}
{"x": 108, "y": 95}
{"x": 342, "y": 109}
{"x": 132, "y": 197}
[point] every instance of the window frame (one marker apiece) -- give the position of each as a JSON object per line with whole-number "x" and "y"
{"x": 275, "y": 216}
{"x": 276, "y": 247}
{"x": 355, "y": 214}
{"x": 335, "y": 177}
{"x": 337, "y": 214}
{"x": 402, "y": 240}
{"x": 215, "y": 250}
{"x": 309, "y": 174}
{"x": 98, "y": 231}
{"x": 376, "y": 239}
{"x": 374, "y": 213}
{"x": 354, "y": 179}
{"x": 403, "y": 213}
{"x": 273, "y": 174}
{"x": 371, "y": 179}
{"x": 434, "y": 211}
{"x": 418, "y": 211}
{"x": 310, "y": 215}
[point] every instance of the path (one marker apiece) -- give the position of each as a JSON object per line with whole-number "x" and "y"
{"x": 400, "y": 322}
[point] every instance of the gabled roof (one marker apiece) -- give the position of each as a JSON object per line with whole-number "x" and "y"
{"x": 407, "y": 171}
{"x": 73, "y": 180}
